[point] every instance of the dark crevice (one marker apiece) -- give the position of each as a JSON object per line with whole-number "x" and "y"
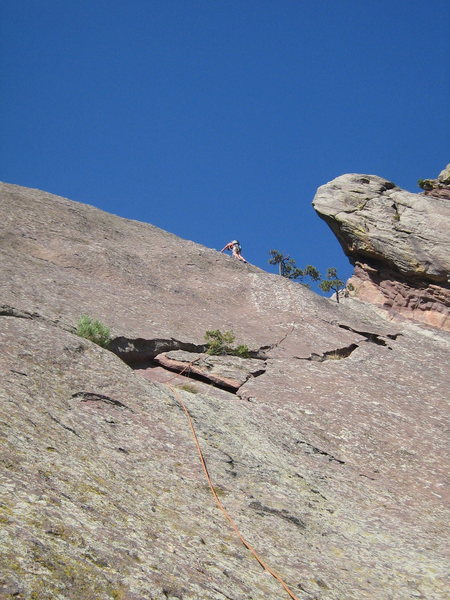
{"x": 10, "y": 311}
{"x": 89, "y": 396}
{"x": 284, "y": 514}
{"x": 373, "y": 338}
{"x": 62, "y": 425}
{"x": 139, "y": 352}
{"x": 336, "y": 354}
{"x": 310, "y": 449}
{"x": 393, "y": 336}
{"x": 204, "y": 378}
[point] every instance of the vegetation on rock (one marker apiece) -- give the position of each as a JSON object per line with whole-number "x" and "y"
{"x": 332, "y": 282}
{"x": 287, "y": 267}
{"x": 94, "y": 330}
{"x": 219, "y": 342}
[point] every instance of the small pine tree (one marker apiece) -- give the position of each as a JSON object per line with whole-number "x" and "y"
{"x": 220, "y": 343}
{"x": 332, "y": 282}
{"x": 94, "y": 331}
{"x": 287, "y": 267}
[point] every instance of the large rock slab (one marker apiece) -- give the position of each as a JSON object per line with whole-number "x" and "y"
{"x": 398, "y": 241}
{"x": 331, "y": 461}
{"x": 229, "y": 372}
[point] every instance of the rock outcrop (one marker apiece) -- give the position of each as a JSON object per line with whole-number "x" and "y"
{"x": 328, "y": 448}
{"x": 439, "y": 187}
{"x": 399, "y": 243}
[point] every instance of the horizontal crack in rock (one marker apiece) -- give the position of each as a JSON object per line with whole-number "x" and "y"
{"x": 336, "y": 354}
{"x": 310, "y": 449}
{"x": 284, "y": 514}
{"x": 373, "y": 338}
{"x": 10, "y": 311}
{"x": 140, "y": 352}
{"x": 203, "y": 372}
{"x": 89, "y": 396}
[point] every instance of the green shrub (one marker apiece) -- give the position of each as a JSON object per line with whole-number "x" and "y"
{"x": 242, "y": 351}
{"x": 94, "y": 331}
{"x": 220, "y": 343}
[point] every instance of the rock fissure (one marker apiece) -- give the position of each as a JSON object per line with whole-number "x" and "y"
{"x": 225, "y": 372}
{"x": 140, "y": 352}
{"x": 92, "y": 397}
{"x": 197, "y": 376}
{"x": 311, "y": 449}
{"x": 373, "y": 338}
{"x": 262, "y": 510}
{"x": 63, "y": 425}
{"x": 261, "y": 353}
{"x": 10, "y": 311}
{"x": 336, "y": 354}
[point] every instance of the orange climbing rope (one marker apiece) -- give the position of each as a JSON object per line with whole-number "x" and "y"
{"x": 219, "y": 503}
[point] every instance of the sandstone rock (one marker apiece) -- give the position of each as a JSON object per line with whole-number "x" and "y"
{"x": 229, "y": 372}
{"x": 439, "y": 187}
{"x": 398, "y": 241}
{"x": 332, "y": 461}
{"x": 444, "y": 176}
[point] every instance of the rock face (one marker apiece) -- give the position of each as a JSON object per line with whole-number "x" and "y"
{"x": 327, "y": 447}
{"x": 439, "y": 187}
{"x": 399, "y": 243}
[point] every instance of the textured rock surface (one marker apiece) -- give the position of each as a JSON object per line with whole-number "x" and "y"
{"x": 399, "y": 243}
{"x": 331, "y": 461}
{"x": 223, "y": 371}
{"x": 439, "y": 187}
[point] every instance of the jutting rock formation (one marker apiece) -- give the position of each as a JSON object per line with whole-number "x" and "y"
{"x": 327, "y": 446}
{"x": 399, "y": 242}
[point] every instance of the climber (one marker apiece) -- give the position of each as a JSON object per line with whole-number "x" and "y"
{"x": 235, "y": 249}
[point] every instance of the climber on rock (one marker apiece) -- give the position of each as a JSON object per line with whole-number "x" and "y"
{"x": 235, "y": 249}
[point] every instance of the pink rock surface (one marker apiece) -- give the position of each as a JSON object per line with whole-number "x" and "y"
{"x": 332, "y": 460}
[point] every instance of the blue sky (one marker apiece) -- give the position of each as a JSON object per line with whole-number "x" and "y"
{"x": 218, "y": 119}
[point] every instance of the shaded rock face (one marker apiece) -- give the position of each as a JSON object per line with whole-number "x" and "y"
{"x": 399, "y": 243}
{"x": 327, "y": 448}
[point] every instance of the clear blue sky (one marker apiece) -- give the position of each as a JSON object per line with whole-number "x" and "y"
{"x": 218, "y": 119}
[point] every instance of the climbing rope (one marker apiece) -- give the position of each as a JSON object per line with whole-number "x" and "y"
{"x": 219, "y": 503}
